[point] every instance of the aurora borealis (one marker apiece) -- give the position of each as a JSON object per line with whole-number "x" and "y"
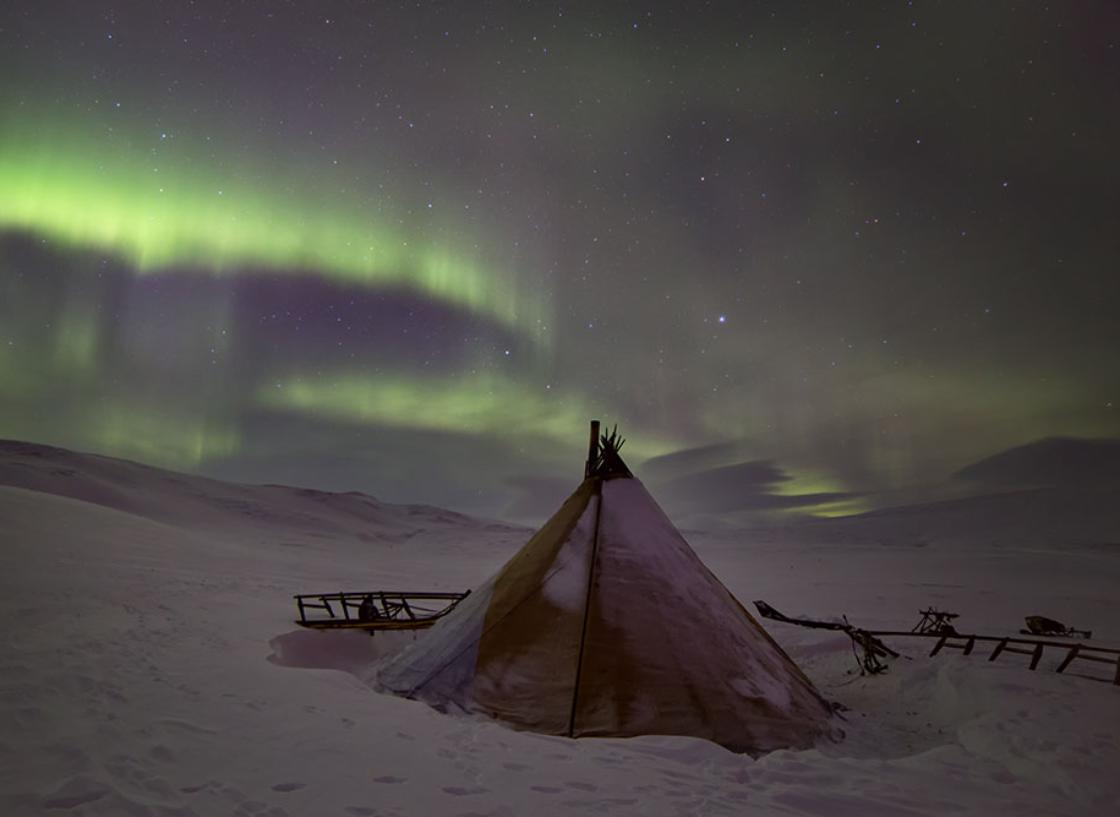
{"x": 818, "y": 253}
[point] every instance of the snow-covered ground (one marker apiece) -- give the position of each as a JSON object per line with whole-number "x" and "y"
{"x": 150, "y": 665}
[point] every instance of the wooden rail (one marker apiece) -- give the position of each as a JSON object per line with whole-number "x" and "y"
{"x": 1033, "y": 647}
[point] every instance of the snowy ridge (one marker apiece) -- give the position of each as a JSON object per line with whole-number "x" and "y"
{"x": 1034, "y": 518}
{"x": 200, "y": 503}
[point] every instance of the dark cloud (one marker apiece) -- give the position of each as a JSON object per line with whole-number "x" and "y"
{"x": 705, "y": 457}
{"x": 746, "y": 486}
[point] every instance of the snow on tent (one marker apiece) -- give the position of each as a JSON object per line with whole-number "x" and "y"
{"x": 606, "y": 623}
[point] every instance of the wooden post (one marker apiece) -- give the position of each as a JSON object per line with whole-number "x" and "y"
{"x": 1073, "y": 651}
{"x": 1037, "y": 655}
{"x": 999, "y": 648}
{"x": 592, "y": 448}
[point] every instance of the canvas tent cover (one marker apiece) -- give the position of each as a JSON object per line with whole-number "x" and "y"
{"x": 606, "y": 623}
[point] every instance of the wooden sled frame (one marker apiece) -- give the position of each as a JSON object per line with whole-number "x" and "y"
{"x": 374, "y": 610}
{"x": 1009, "y": 644}
{"x": 964, "y": 642}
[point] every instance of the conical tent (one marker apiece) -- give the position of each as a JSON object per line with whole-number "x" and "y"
{"x": 606, "y": 623}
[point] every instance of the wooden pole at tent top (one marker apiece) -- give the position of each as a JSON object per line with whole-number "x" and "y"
{"x": 592, "y": 448}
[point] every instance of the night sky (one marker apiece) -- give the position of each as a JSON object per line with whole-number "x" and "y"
{"x": 807, "y": 255}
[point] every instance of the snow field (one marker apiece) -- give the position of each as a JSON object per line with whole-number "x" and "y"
{"x": 152, "y": 668}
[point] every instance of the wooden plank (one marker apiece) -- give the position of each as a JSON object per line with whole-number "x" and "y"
{"x": 999, "y": 648}
{"x": 937, "y": 647}
{"x": 1085, "y": 656}
{"x": 1037, "y": 655}
{"x": 1069, "y": 658}
{"x": 356, "y": 593}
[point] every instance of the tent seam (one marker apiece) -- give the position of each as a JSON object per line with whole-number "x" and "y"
{"x": 586, "y": 607}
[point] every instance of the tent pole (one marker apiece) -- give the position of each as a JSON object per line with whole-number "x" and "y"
{"x": 592, "y": 449}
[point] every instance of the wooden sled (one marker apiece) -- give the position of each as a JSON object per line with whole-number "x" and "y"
{"x": 869, "y": 651}
{"x": 951, "y": 639}
{"x": 1043, "y": 626}
{"x": 374, "y": 610}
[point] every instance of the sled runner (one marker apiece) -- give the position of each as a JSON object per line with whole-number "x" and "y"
{"x": 374, "y": 609}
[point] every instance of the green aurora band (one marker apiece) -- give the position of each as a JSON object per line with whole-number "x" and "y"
{"x": 170, "y": 212}
{"x": 478, "y": 404}
{"x": 491, "y": 405}
{"x": 159, "y": 437}
{"x": 162, "y": 212}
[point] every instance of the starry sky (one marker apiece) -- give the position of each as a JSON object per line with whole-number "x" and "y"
{"x": 808, "y": 256}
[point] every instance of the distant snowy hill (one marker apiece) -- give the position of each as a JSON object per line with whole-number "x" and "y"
{"x": 1050, "y": 518}
{"x": 1075, "y": 503}
{"x": 1055, "y": 461}
{"x": 1055, "y": 493}
{"x": 199, "y": 503}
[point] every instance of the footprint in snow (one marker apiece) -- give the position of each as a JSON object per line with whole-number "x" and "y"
{"x": 76, "y": 792}
{"x": 389, "y": 779}
{"x": 460, "y": 791}
{"x": 546, "y": 789}
{"x": 581, "y": 786}
{"x": 161, "y": 753}
{"x": 287, "y": 787}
